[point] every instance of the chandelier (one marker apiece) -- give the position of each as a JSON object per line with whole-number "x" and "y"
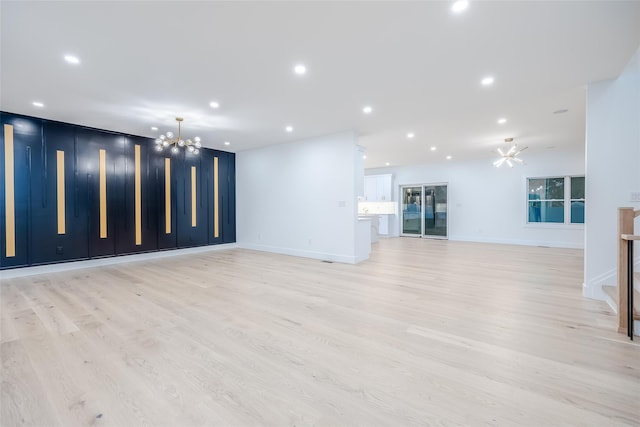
{"x": 167, "y": 140}
{"x": 510, "y": 156}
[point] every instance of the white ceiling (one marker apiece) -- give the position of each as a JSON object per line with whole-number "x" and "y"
{"x": 416, "y": 63}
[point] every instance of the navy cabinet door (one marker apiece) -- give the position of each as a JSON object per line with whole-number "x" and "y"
{"x": 21, "y": 140}
{"x": 58, "y": 198}
{"x": 229, "y": 233}
{"x": 102, "y": 166}
{"x": 136, "y": 230}
{"x": 165, "y": 172}
{"x": 191, "y": 201}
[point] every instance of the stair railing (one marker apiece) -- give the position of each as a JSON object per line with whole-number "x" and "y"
{"x": 625, "y": 268}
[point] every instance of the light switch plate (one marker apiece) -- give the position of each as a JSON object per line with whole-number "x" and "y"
{"x": 635, "y": 196}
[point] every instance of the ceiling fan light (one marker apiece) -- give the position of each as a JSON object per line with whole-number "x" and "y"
{"x": 509, "y": 163}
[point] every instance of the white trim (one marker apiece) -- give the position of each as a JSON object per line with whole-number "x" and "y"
{"x": 122, "y": 259}
{"x": 554, "y": 225}
{"x": 347, "y": 259}
{"x": 568, "y": 245}
{"x": 593, "y": 289}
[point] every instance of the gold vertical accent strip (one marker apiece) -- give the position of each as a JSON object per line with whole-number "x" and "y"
{"x": 193, "y": 196}
{"x": 167, "y": 195}
{"x": 138, "y": 197}
{"x": 62, "y": 223}
{"x": 103, "y": 194}
{"x": 216, "y": 226}
{"x": 9, "y": 197}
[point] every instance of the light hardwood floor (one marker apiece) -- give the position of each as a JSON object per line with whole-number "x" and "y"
{"x": 426, "y": 332}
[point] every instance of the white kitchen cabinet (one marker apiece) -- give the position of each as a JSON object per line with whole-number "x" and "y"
{"x": 377, "y": 188}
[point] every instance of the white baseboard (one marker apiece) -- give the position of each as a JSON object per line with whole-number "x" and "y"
{"x": 567, "y": 245}
{"x": 347, "y": 259}
{"x": 121, "y": 259}
{"x": 593, "y": 288}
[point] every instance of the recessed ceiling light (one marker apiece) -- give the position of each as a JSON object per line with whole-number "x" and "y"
{"x": 487, "y": 81}
{"x": 367, "y": 109}
{"x": 72, "y": 59}
{"x": 387, "y": 164}
{"x": 214, "y": 104}
{"x": 562, "y": 111}
{"x": 364, "y": 156}
{"x": 300, "y": 70}
{"x": 227, "y": 143}
{"x": 460, "y": 5}
{"x": 449, "y": 157}
{"x": 289, "y": 128}
{"x": 154, "y": 128}
{"x": 433, "y": 148}
{"x": 502, "y": 121}
{"x": 37, "y": 104}
{"x": 410, "y": 135}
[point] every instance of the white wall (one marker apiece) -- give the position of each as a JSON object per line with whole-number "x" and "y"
{"x": 613, "y": 170}
{"x": 299, "y": 198}
{"x": 487, "y": 204}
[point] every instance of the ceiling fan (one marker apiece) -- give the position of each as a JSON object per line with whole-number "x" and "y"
{"x": 510, "y": 156}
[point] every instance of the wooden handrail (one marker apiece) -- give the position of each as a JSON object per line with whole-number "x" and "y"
{"x": 625, "y": 228}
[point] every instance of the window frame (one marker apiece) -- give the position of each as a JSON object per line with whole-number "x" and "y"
{"x": 566, "y": 201}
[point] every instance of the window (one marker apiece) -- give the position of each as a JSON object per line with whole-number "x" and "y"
{"x": 548, "y": 198}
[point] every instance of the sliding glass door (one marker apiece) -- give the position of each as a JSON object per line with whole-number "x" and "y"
{"x": 412, "y": 211}
{"x": 425, "y": 211}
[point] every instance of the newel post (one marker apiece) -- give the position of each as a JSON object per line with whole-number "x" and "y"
{"x": 625, "y": 226}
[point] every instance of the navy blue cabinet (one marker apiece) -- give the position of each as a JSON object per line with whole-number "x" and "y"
{"x": 71, "y": 192}
{"x": 58, "y": 198}
{"x": 137, "y": 230}
{"x": 192, "y": 200}
{"x": 21, "y": 142}
{"x": 101, "y": 155}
